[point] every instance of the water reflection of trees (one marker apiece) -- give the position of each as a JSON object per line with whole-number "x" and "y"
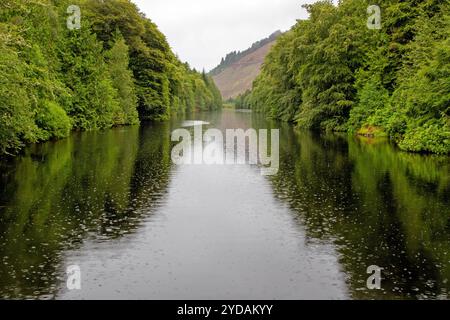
{"x": 379, "y": 206}
{"x": 92, "y": 185}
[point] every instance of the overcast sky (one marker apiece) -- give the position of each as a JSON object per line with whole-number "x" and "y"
{"x": 201, "y": 32}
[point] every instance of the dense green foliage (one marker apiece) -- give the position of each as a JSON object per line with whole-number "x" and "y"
{"x": 116, "y": 69}
{"x": 242, "y": 101}
{"x": 332, "y": 72}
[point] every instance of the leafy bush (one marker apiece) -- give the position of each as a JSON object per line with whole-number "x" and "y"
{"x": 53, "y": 121}
{"x": 373, "y": 101}
{"x": 431, "y": 137}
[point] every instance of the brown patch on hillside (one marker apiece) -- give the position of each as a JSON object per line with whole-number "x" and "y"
{"x": 239, "y": 77}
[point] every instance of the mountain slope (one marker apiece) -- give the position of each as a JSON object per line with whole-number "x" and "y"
{"x": 237, "y": 72}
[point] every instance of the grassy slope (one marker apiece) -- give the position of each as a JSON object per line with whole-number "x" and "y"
{"x": 238, "y": 78}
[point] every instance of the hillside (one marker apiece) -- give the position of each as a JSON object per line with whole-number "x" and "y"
{"x": 238, "y": 70}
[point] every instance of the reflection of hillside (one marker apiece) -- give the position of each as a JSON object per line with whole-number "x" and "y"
{"x": 95, "y": 185}
{"x": 377, "y": 205}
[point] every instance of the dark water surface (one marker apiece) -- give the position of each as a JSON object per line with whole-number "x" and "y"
{"x": 140, "y": 227}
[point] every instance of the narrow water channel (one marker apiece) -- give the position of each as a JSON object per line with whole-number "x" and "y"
{"x": 140, "y": 227}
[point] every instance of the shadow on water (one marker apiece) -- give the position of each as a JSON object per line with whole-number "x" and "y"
{"x": 374, "y": 204}
{"x": 92, "y": 185}
{"x": 378, "y": 205}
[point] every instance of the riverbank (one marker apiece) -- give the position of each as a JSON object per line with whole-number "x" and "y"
{"x": 88, "y": 65}
{"x": 333, "y": 72}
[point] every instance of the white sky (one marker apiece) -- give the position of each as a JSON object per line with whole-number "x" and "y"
{"x": 201, "y": 32}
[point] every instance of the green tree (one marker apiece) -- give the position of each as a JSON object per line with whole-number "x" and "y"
{"x": 123, "y": 82}
{"x": 114, "y": 70}
{"x": 94, "y": 101}
{"x": 331, "y": 72}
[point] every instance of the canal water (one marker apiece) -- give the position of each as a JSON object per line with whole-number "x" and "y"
{"x": 139, "y": 227}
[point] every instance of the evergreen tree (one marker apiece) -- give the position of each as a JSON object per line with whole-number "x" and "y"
{"x": 332, "y": 72}
{"x": 116, "y": 69}
{"x": 122, "y": 81}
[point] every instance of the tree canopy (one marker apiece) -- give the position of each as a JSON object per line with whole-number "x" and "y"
{"x": 116, "y": 69}
{"x": 332, "y": 72}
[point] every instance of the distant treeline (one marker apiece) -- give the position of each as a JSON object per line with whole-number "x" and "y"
{"x": 333, "y": 72}
{"x": 241, "y": 101}
{"x": 234, "y": 56}
{"x": 116, "y": 68}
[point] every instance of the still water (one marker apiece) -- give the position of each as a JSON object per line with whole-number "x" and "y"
{"x": 140, "y": 227}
